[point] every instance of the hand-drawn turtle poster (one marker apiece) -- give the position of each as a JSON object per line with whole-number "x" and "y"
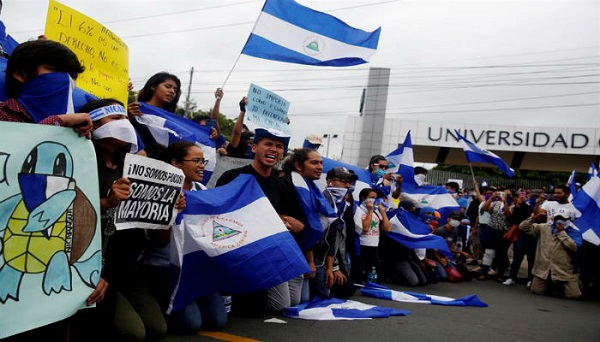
{"x": 50, "y": 256}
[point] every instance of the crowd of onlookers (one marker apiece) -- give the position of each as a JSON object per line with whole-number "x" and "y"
{"x": 132, "y": 294}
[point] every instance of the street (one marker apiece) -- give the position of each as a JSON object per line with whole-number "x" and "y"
{"x": 514, "y": 314}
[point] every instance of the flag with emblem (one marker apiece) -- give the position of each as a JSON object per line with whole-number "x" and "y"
{"x": 475, "y": 154}
{"x": 289, "y": 32}
{"x": 230, "y": 240}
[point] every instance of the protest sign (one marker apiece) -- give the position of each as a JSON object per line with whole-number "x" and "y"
{"x": 50, "y": 255}
{"x": 103, "y": 54}
{"x": 267, "y": 109}
{"x": 155, "y": 187}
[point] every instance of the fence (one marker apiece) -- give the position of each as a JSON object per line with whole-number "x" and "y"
{"x": 441, "y": 177}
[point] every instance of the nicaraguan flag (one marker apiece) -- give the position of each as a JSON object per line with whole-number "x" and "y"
{"x": 339, "y": 309}
{"x": 476, "y": 155}
{"x": 230, "y": 239}
{"x": 587, "y": 202}
{"x": 401, "y": 161}
{"x": 364, "y": 178}
{"x": 592, "y": 171}
{"x": 158, "y": 126}
{"x": 412, "y": 233}
{"x": 289, "y": 32}
{"x": 318, "y": 213}
{"x": 378, "y": 291}
{"x": 433, "y": 196}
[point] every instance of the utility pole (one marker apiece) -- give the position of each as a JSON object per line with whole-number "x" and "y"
{"x": 187, "y": 100}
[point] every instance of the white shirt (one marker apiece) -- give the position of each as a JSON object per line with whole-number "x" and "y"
{"x": 369, "y": 238}
{"x": 554, "y": 208}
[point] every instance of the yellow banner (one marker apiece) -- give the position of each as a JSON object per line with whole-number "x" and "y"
{"x": 104, "y": 55}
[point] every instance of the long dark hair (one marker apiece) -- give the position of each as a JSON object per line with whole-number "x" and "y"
{"x": 147, "y": 92}
{"x": 375, "y": 159}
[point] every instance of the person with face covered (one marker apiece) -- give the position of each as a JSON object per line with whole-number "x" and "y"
{"x": 383, "y": 180}
{"x": 40, "y": 78}
{"x": 558, "y": 242}
{"x": 129, "y": 311}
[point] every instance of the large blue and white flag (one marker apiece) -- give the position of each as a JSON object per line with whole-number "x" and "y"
{"x": 592, "y": 171}
{"x": 333, "y": 309}
{"x": 382, "y": 292}
{"x": 364, "y": 178}
{"x": 412, "y": 233}
{"x": 230, "y": 239}
{"x": 401, "y": 161}
{"x": 475, "y": 154}
{"x": 587, "y": 202}
{"x": 289, "y": 32}
{"x": 318, "y": 213}
{"x": 437, "y": 197}
{"x": 158, "y": 126}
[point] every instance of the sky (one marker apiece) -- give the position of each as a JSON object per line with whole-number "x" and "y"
{"x": 533, "y": 63}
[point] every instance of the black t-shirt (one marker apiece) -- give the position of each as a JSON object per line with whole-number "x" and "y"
{"x": 279, "y": 190}
{"x": 122, "y": 248}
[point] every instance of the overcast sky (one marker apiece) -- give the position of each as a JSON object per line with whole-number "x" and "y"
{"x": 533, "y": 63}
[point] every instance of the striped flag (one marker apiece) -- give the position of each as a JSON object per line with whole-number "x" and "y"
{"x": 158, "y": 126}
{"x": 379, "y": 291}
{"x": 475, "y": 154}
{"x": 230, "y": 239}
{"x": 587, "y": 202}
{"x": 334, "y": 309}
{"x": 289, "y": 32}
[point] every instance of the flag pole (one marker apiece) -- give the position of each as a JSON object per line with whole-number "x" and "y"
{"x": 472, "y": 173}
{"x": 240, "y": 55}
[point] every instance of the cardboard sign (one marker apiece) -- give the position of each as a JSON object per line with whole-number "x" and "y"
{"x": 155, "y": 187}
{"x": 267, "y": 109}
{"x": 103, "y": 54}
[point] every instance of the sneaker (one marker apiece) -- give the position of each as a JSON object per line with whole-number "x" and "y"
{"x": 529, "y": 284}
{"x": 509, "y": 282}
{"x": 492, "y": 273}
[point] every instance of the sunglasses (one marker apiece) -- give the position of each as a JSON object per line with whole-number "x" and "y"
{"x": 381, "y": 166}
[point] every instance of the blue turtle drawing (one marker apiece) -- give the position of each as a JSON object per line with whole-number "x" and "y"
{"x": 48, "y": 226}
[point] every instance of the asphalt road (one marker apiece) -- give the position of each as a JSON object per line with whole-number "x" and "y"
{"x": 514, "y": 314}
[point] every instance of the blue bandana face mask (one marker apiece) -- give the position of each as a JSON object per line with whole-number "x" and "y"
{"x": 48, "y": 94}
{"x": 379, "y": 173}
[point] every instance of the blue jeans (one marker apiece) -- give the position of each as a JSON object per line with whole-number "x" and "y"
{"x": 206, "y": 312}
{"x": 317, "y": 284}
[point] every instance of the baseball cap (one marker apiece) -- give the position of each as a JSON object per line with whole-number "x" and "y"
{"x": 261, "y": 133}
{"x": 454, "y": 215}
{"x": 342, "y": 173}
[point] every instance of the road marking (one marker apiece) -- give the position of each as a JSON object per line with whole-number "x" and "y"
{"x": 219, "y": 335}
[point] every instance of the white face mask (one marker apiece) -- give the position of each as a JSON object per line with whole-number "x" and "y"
{"x": 454, "y": 223}
{"x": 118, "y": 129}
{"x": 420, "y": 179}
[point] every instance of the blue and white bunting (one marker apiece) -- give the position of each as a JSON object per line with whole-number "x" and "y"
{"x": 289, "y": 32}
{"x": 382, "y": 292}
{"x": 230, "y": 239}
{"x": 475, "y": 154}
{"x": 587, "y": 202}
{"x": 412, "y": 233}
{"x": 158, "y": 126}
{"x": 333, "y": 309}
{"x": 317, "y": 211}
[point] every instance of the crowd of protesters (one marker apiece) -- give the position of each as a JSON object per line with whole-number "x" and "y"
{"x": 132, "y": 294}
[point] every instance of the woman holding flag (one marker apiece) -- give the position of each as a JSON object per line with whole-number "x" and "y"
{"x": 208, "y": 311}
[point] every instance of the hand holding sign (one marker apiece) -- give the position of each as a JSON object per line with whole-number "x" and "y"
{"x": 267, "y": 109}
